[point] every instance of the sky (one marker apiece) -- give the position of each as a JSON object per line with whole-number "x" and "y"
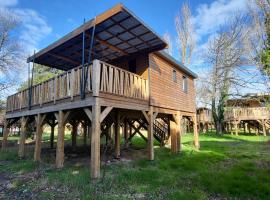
{"x": 45, "y": 21}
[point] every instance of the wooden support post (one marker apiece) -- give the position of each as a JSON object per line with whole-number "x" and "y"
{"x": 150, "y": 134}
{"x": 125, "y": 130}
{"x": 39, "y": 123}
{"x": 263, "y": 122}
{"x": 60, "y": 154}
{"x": 178, "y": 131}
{"x": 236, "y": 128}
{"x": 74, "y": 134}
{"x": 85, "y": 134}
{"x": 95, "y": 140}
{"x": 52, "y": 134}
{"x": 173, "y": 133}
{"x": 175, "y": 129}
{"x": 196, "y": 134}
{"x": 5, "y": 135}
{"x": 117, "y": 136}
{"x": 21, "y": 152}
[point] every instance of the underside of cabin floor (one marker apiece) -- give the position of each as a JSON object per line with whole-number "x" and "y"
{"x": 101, "y": 118}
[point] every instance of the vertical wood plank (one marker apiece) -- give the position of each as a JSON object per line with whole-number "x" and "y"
{"x": 60, "y": 155}
{"x": 95, "y": 140}
{"x": 150, "y": 141}
{"x": 38, "y": 138}
{"x": 5, "y": 136}
{"x": 96, "y": 78}
{"x": 21, "y": 152}
{"x": 117, "y": 136}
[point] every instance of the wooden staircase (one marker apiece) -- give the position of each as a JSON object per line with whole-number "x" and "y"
{"x": 161, "y": 132}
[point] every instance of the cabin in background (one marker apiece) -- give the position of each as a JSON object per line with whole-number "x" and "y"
{"x": 249, "y": 112}
{"x": 116, "y": 77}
{"x": 204, "y": 119}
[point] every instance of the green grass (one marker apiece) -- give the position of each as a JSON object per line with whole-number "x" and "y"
{"x": 226, "y": 167}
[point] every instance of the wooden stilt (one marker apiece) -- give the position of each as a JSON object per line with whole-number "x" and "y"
{"x": 263, "y": 122}
{"x": 74, "y": 135}
{"x": 150, "y": 134}
{"x": 21, "y": 152}
{"x": 39, "y": 123}
{"x": 95, "y": 140}
{"x": 52, "y": 124}
{"x": 236, "y": 128}
{"x": 173, "y": 133}
{"x": 117, "y": 136}
{"x": 85, "y": 134}
{"x": 60, "y": 154}
{"x": 196, "y": 134}
{"x": 52, "y": 136}
{"x": 5, "y": 136}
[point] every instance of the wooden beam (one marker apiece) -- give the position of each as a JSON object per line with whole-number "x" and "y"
{"x": 39, "y": 119}
{"x": 105, "y": 113}
{"x": 21, "y": 152}
{"x": 95, "y": 140}
{"x": 145, "y": 116}
{"x": 64, "y": 58}
{"x": 88, "y": 113}
{"x": 196, "y": 134}
{"x": 150, "y": 134}
{"x": 114, "y": 48}
{"x": 60, "y": 155}
{"x": 5, "y": 136}
{"x": 117, "y": 136}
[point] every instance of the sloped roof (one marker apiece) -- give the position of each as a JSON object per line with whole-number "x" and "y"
{"x": 177, "y": 63}
{"x": 118, "y": 33}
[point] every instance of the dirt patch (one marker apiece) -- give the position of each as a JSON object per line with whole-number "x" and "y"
{"x": 262, "y": 164}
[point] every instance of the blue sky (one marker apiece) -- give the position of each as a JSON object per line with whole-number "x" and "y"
{"x": 44, "y": 21}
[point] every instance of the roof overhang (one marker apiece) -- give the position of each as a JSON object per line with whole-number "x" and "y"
{"x": 118, "y": 33}
{"x": 178, "y": 64}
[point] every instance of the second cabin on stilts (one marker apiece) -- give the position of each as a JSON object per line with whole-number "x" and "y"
{"x": 116, "y": 74}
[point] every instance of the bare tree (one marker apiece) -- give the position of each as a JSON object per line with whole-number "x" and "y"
{"x": 185, "y": 35}
{"x": 11, "y": 53}
{"x": 168, "y": 39}
{"x": 258, "y": 42}
{"x": 226, "y": 56}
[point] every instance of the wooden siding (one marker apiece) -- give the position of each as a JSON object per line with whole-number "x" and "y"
{"x": 166, "y": 93}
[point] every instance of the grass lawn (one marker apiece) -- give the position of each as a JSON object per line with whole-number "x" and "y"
{"x": 226, "y": 167}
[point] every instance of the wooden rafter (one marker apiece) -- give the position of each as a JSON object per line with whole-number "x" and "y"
{"x": 111, "y": 46}
{"x": 64, "y": 58}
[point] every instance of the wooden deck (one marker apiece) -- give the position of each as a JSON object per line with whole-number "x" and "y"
{"x": 114, "y": 86}
{"x": 238, "y": 114}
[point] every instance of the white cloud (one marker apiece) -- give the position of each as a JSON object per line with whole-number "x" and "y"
{"x": 210, "y": 17}
{"x": 7, "y": 3}
{"x": 34, "y": 28}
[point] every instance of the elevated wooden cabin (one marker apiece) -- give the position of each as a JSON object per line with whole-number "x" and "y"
{"x": 116, "y": 74}
{"x": 249, "y": 112}
{"x": 204, "y": 118}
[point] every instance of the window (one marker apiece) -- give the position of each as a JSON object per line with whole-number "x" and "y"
{"x": 185, "y": 84}
{"x": 174, "y": 76}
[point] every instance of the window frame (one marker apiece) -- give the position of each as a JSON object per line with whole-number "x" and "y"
{"x": 174, "y": 76}
{"x": 185, "y": 83}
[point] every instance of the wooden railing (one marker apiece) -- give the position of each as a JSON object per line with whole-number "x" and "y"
{"x": 247, "y": 113}
{"x": 121, "y": 82}
{"x": 204, "y": 117}
{"x": 101, "y": 77}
